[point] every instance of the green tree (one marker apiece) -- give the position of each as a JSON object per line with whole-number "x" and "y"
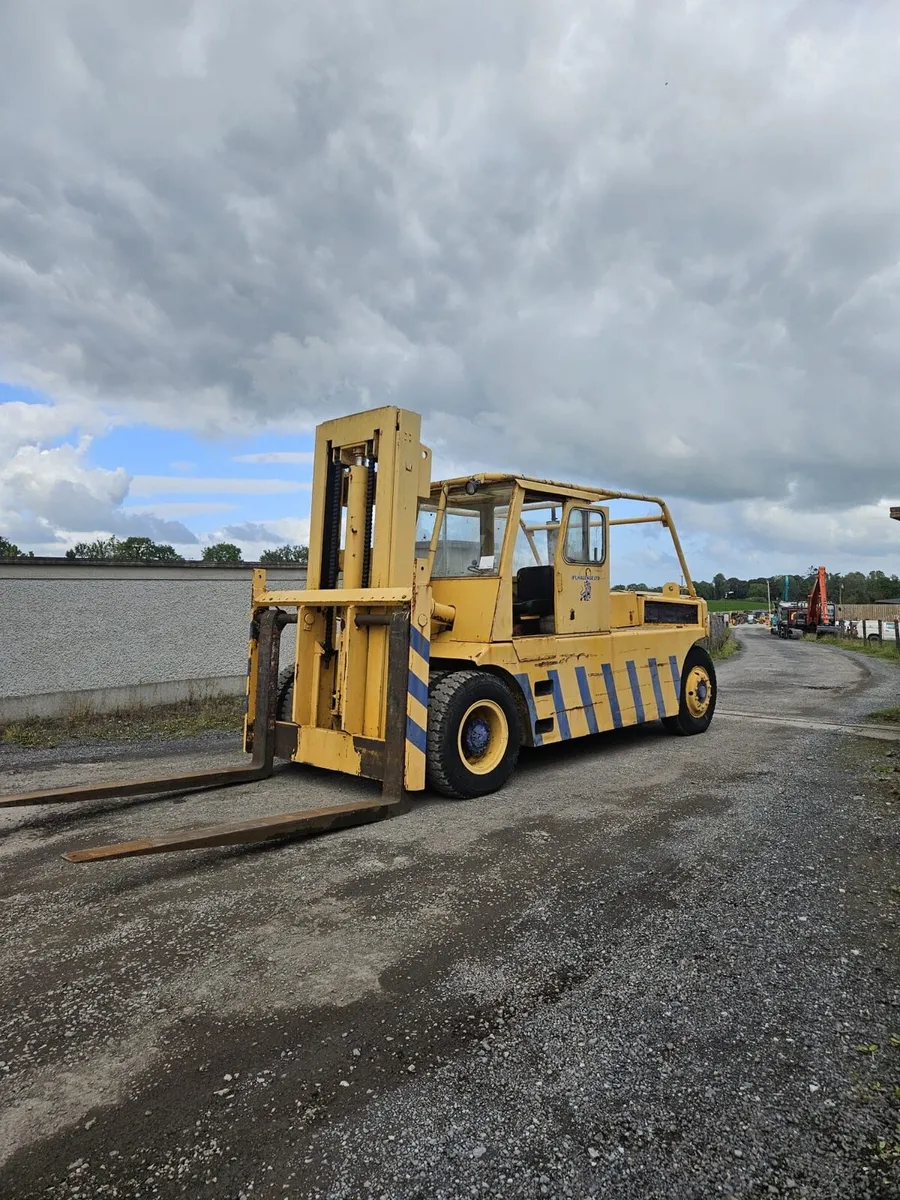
{"x": 879, "y": 586}
{"x": 143, "y": 549}
{"x": 222, "y": 552}
{"x": 720, "y": 584}
{"x": 132, "y": 549}
{"x": 9, "y": 549}
{"x": 855, "y": 590}
{"x": 103, "y": 549}
{"x": 737, "y": 589}
{"x": 285, "y": 554}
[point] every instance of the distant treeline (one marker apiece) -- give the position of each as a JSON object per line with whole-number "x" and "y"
{"x": 852, "y": 588}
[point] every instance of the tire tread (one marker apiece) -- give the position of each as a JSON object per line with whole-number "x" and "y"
{"x": 284, "y": 693}
{"x": 441, "y": 695}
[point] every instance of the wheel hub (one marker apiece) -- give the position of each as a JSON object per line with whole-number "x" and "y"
{"x": 698, "y": 692}
{"x": 483, "y": 736}
{"x": 477, "y": 735}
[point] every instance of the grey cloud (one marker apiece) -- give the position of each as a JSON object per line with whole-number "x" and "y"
{"x": 646, "y": 246}
{"x": 251, "y": 531}
{"x": 70, "y": 506}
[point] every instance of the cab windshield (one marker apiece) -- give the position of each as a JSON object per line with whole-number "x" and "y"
{"x": 472, "y": 531}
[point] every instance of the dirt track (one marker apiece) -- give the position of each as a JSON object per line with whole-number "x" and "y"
{"x": 641, "y": 970}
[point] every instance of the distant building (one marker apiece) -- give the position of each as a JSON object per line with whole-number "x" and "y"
{"x": 895, "y": 513}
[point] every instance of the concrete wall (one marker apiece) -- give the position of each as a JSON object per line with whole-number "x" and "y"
{"x": 105, "y": 636}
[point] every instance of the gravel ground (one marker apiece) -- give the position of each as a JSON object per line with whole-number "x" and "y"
{"x": 650, "y": 967}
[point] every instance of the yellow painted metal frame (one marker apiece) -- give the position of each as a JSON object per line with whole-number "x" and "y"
{"x": 622, "y": 672}
{"x": 611, "y": 670}
{"x": 341, "y": 716}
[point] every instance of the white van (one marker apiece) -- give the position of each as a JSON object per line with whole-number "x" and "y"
{"x": 871, "y": 630}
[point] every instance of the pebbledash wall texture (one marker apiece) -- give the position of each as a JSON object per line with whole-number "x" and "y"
{"x": 102, "y": 636}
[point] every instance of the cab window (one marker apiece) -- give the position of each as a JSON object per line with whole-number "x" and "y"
{"x": 538, "y": 532}
{"x": 470, "y": 540}
{"x": 585, "y": 536}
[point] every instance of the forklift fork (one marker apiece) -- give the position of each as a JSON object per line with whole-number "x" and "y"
{"x": 261, "y": 766}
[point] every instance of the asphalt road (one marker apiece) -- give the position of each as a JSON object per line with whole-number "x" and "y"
{"x": 650, "y": 967}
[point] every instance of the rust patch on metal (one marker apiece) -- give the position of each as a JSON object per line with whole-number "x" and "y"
{"x": 394, "y": 755}
{"x": 371, "y": 756}
{"x": 286, "y": 738}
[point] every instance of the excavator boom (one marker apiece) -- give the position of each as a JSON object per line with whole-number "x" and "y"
{"x": 817, "y": 606}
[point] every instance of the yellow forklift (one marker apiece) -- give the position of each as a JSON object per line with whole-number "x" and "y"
{"x": 443, "y": 627}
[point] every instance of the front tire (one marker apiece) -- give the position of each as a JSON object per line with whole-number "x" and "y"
{"x": 699, "y": 691}
{"x": 474, "y": 735}
{"x": 284, "y": 704}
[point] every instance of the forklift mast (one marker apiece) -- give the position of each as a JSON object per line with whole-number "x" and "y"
{"x": 364, "y": 591}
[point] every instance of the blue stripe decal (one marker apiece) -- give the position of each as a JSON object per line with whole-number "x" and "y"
{"x": 562, "y": 717}
{"x": 418, "y": 688}
{"x": 676, "y": 676}
{"x": 657, "y": 688}
{"x": 525, "y": 684}
{"x": 420, "y": 644}
{"x": 609, "y": 680}
{"x": 416, "y": 734}
{"x": 586, "y": 700}
{"x": 635, "y": 691}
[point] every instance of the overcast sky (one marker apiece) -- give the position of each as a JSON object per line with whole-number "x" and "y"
{"x": 648, "y": 244}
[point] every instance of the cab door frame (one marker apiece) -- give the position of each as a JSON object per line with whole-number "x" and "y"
{"x": 582, "y": 582}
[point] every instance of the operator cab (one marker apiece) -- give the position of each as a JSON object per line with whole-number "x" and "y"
{"x": 547, "y": 548}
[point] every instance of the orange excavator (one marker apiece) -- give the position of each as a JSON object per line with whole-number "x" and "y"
{"x": 818, "y": 611}
{"x": 816, "y": 616}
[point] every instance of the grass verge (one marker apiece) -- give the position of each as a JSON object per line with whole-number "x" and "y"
{"x": 885, "y": 650}
{"x": 186, "y": 719}
{"x": 890, "y": 716}
{"x": 729, "y": 647}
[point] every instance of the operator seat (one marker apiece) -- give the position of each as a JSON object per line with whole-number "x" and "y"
{"x": 534, "y": 592}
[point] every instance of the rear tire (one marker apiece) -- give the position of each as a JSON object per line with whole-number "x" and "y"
{"x": 284, "y": 704}
{"x": 699, "y": 691}
{"x": 474, "y": 734}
